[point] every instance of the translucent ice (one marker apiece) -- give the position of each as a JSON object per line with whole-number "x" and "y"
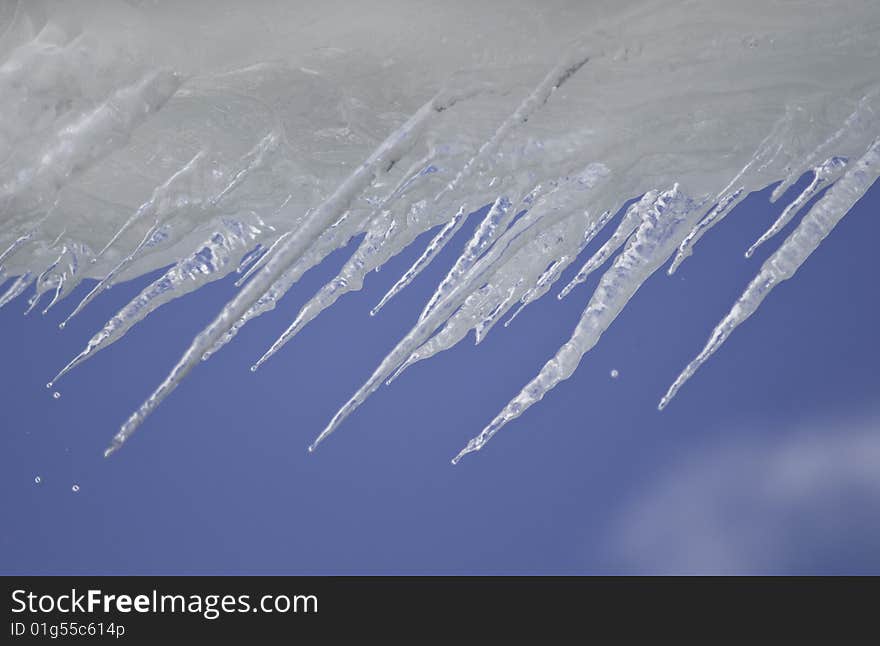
{"x": 256, "y": 138}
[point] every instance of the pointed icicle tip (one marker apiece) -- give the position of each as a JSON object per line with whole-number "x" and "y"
{"x": 472, "y": 446}
{"x": 113, "y": 448}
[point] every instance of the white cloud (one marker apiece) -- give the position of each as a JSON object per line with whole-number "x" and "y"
{"x": 805, "y": 500}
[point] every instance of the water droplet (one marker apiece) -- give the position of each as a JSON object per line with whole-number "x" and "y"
{"x": 615, "y": 374}
{"x": 75, "y": 488}
{"x": 56, "y": 395}
{"x": 50, "y": 384}
{"x": 61, "y": 325}
{"x": 38, "y": 479}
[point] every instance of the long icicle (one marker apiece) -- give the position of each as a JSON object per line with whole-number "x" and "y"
{"x": 659, "y": 233}
{"x": 554, "y": 247}
{"x": 493, "y": 225}
{"x": 735, "y": 192}
{"x": 509, "y": 244}
{"x": 188, "y": 274}
{"x": 531, "y": 104}
{"x": 392, "y": 149}
{"x": 554, "y": 271}
{"x": 826, "y": 173}
{"x": 152, "y": 205}
{"x": 366, "y": 258}
{"x": 856, "y": 126}
{"x": 628, "y": 225}
{"x": 782, "y": 265}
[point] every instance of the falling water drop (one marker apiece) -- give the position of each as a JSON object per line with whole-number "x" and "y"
{"x": 38, "y": 480}
{"x": 56, "y": 395}
{"x": 615, "y": 373}
{"x": 75, "y": 488}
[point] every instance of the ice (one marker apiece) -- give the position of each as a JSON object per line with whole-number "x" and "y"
{"x": 790, "y": 255}
{"x": 254, "y": 139}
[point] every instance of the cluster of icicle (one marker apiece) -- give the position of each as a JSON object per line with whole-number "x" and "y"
{"x": 264, "y": 170}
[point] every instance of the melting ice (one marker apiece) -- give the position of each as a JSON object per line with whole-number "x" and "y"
{"x": 219, "y": 138}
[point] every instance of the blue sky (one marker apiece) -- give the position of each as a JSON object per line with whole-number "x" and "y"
{"x": 768, "y": 460}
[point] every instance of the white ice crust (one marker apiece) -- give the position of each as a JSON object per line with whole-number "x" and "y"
{"x": 214, "y": 137}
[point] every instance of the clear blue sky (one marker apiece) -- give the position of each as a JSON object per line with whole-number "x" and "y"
{"x": 751, "y": 469}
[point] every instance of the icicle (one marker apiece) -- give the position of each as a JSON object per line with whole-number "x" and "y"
{"x": 106, "y": 281}
{"x": 542, "y": 286}
{"x": 456, "y": 328}
{"x": 725, "y": 205}
{"x": 824, "y": 174}
{"x": 43, "y": 282}
{"x": 856, "y": 127}
{"x": 498, "y": 254}
{"x": 250, "y": 258}
{"x": 552, "y": 273}
{"x": 18, "y": 242}
{"x": 207, "y": 263}
{"x": 507, "y": 282}
{"x": 260, "y": 260}
{"x": 628, "y": 225}
{"x": 493, "y": 225}
{"x": 163, "y": 203}
{"x": 437, "y": 243}
{"x": 59, "y": 289}
{"x": 661, "y": 230}
{"x": 350, "y": 278}
{"x": 532, "y": 103}
{"x": 786, "y": 260}
{"x": 16, "y": 288}
{"x": 153, "y": 206}
{"x": 253, "y": 160}
{"x": 370, "y": 254}
{"x": 488, "y": 322}
{"x": 80, "y": 151}
{"x": 264, "y": 257}
{"x": 736, "y": 191}
{"x": 392, "y": 149}
{"x": 327, "y": 242}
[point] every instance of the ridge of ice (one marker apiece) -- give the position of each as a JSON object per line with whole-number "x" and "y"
{"x": 275, "y": 133}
